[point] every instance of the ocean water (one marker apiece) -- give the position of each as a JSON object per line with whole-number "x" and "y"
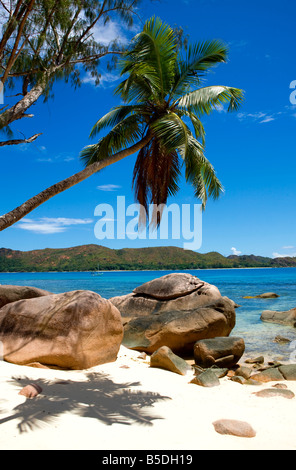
{"x": 233, "y": 283}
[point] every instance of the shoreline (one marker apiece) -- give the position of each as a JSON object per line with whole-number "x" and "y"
{"x": 144, "y": 270}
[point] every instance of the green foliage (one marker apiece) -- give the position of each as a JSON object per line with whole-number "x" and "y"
{"x": 44, "y": 41}
{"x": 88, "y": 257}
{"x": 160, "y": 94}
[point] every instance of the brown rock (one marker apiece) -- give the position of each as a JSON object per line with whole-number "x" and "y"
{"x": 180, "y": 330}
{"x": 275, "y": 392}
{"x": 170, "y": 286}
{"x": 175, "y": 292}
{"x": 164, "y": 358}
{"x": 220, "y": 351}
{"x": 284, "y": 318}
{"x": 9, "y": 294}
{"x": 282, "y": 386}
{"x": 74, "y": 330}
{"x": 268, "y": 375}
{"x": 288, "y": 371}
{"x": 208, "y": 378}
{"x": 234, "y": 428}
{"x": 255, "y": 360}
{"x": 244, "y": 372}
{"x": 31, "y": 391}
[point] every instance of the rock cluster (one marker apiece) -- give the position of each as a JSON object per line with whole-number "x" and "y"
{"x": 175, "y": 310}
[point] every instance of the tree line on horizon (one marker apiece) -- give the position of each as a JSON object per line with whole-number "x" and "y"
{"x": 89, "y": 257}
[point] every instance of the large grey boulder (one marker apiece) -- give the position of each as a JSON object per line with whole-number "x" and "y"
{"x": 176, "y": 292}
{"x": 179, "y": 330}
{"x": 9, "y": 293}
{"x": 74, "y": 330}
{"x": 284, "y": 318}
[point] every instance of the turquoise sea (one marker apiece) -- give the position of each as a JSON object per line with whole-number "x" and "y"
{"x": 233, "y": 283}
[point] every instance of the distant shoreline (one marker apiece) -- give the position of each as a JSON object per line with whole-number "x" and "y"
{"x": 92, "y": 258}
{"x": 145, "y": 270}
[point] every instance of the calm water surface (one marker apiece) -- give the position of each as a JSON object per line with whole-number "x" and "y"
{"x": 233, "y": 283}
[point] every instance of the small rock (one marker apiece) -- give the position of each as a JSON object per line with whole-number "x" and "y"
{"x": 282, "y": 386}
{"x": 164, "y": 358}
{"x": 274, "y": 392}
{"x": 266, "y": 295}
{"x": 230, "y": 373}
{"x": 244, "y": 372}
{"x": 31, "y": 391}
{"x": 255, "y": 360}
{"x": 281, "y": 340}
{"x": 288, "y": 371}
{"x": 252, "y": 382}
{"x": 268, "y": 375}
{"x": 274, "y": 363}
{"x": 208, "y": 378}
{"x": 234, "y": 428}
{"x": 220, "y": 372}
{"x": 239, "y": 379}
{"x": 220, "y": 351}
{"x": 142, "y": 356}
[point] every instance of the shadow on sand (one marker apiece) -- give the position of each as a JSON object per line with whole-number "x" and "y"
{"x": 97, "y": 397}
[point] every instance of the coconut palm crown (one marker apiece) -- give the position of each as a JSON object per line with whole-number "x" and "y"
{"x": 164, "y": 101}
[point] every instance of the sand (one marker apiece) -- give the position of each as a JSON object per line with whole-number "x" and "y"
{"x": 126, "y": 405}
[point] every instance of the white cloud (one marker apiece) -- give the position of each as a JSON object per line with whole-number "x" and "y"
{"x": 235, "y": 251}
{"x": 47, "y": 225}
{"x": 56, "y": 159}
{"x": 283, "y": 255}
{"x": 108, "y": 187}
{"x": 106, "y": 33}
{"x": 289, "y": 254}
{"x": 106, "y": 79}
{"x": 267, "y": 119}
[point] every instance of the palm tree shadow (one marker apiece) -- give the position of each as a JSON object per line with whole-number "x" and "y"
{"x": 97, "y": 397}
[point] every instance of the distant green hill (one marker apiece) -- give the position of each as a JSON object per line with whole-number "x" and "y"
{"x": 88, "y": 257}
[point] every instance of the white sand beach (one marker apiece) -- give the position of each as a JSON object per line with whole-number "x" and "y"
{"x": 127, "y": 405}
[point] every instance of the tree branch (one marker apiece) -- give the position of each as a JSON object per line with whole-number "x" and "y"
{"x": 18, "y": 213}
{"x": 20, "y": 141}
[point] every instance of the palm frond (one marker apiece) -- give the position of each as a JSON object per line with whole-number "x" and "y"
{"x": 124, "y": 134}
{"x": 199, "y": 59}
{"x": 204, "y": 100}
{"x": 152, "y": 56}
{"x": 197, "y": 125}
{"x": 115, "y": 116}
{"x": 200, "y": 172}
{"x": 170, "y": 131}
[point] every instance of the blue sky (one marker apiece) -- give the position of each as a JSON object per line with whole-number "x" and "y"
{"x": 253, "y": 151}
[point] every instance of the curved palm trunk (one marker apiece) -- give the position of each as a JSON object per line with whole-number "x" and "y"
{"x": 19, "y": 212}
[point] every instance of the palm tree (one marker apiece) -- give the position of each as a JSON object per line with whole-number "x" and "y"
{"x": 163, "y": 100}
